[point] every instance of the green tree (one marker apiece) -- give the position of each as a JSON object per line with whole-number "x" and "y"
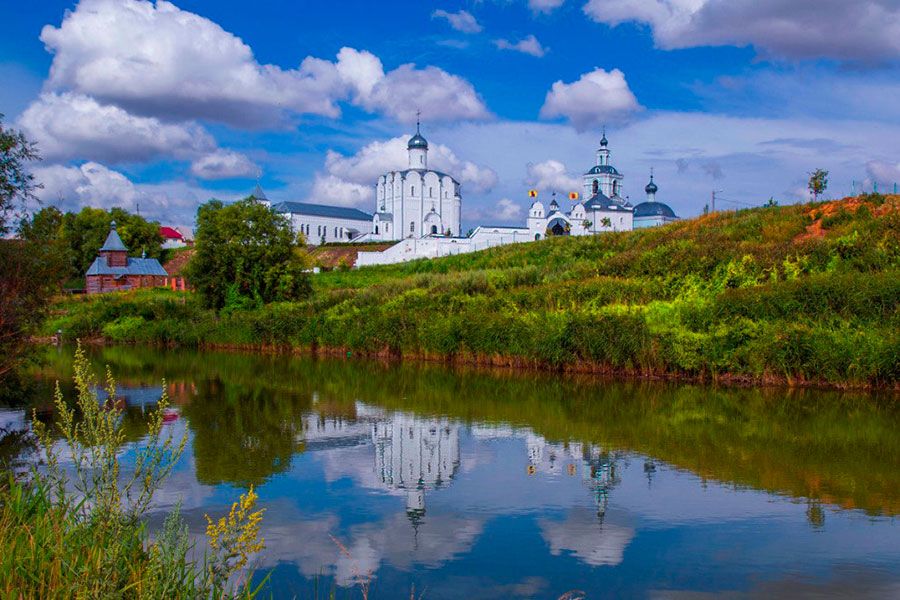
{"x": 26, "y": 280}
{"x": 818, "y": 182}
{"x": 83, "y": 233}
{"x": 17, "y": 185}
{"x": 245, "y": 252}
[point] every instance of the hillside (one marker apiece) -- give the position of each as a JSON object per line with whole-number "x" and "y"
{"x": 802, "y": 294}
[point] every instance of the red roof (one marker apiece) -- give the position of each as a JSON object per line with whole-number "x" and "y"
{"x": 170, "y": 233}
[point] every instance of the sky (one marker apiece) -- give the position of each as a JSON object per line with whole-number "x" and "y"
{"x": 160, "y": 106}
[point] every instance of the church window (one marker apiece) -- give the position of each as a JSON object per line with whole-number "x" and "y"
{"x": 431, "y": 192}
{"x": 537, "y": 236}
{"x": 412, "y": 190}
{"x": 421, "y": 159}
{"x": 412, "y": 226}
{"x": 595, "y": 187}
{"x": 376, "y": 230}
{"x": 434, "y": 230}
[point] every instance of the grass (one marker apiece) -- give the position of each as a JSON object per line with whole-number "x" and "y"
{"x": 797, "y": 294}
{"x": 77, "y": 529}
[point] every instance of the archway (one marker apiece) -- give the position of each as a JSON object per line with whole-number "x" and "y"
{"x": 558, "y": 227}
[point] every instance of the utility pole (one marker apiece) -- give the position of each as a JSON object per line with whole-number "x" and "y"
{"x": 713, "y": 205}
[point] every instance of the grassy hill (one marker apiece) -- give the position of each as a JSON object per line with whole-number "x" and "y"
{"x": 796, "y": 294}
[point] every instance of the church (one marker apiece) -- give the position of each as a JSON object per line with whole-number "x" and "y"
{"x": 417, "y": 201}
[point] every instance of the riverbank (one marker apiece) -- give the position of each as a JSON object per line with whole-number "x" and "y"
{"x": 797, "y": 295}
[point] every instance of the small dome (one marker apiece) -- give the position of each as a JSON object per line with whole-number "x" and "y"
{"x": 602, "y": 169}
{"x": 651, "y": 187}
{"x": 417, "y": 141}
{"x": 603, "y": 141}
{"x": 654, "y": 209}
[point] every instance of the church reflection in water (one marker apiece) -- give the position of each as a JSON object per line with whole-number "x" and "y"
{"x": 414, "y": 455}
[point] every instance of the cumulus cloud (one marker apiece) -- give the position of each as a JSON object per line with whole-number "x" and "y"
{"x": 883, "y": 172}
{"x": 544, "y": 6}
{"x": 156, "y": 59}
{"x": 93, "y": 184}
{"x": 330, "y": 189}
{"x": 67, "y": 126}
{"x": 462, "y": 21}
{"x": 223, "y": 164}
{"x": 529, "y": 45}
{"x": 360, "y": 171}
{"x": 596, "y": 97}
{"x": 865, "y": 30}
{"x": 551, "y": 175}
{"x": 507, "y": 210}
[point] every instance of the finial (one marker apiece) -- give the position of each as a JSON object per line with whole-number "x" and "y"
{"x": 112, "y": 224}
{"x": 651, "y": 173}
{"x": 418, "y": 115}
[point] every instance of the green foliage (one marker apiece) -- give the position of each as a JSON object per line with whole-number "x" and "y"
{"x": 74, "y": 239}
{"x": 739, "y": 294}
{"x": 818, "y": 182}
{"x": 17, "y": 184}
{"x": 76, "y": 530}
{"x": 246, "y": 254}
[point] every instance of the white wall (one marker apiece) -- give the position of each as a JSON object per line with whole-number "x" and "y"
{"x": 314, "y": 228}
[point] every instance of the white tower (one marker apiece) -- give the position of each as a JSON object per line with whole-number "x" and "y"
{"x": 418, "y": 150}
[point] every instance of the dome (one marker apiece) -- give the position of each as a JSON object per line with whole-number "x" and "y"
{"x": 417, "y": 141}
{"x": 651, "y": 187}
{"x": 603, "y": 141}
{"x": 654, "y": 209}
{"x": 602, "y": 169}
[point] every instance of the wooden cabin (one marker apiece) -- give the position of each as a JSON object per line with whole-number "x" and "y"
{"x": 114, "y": 270}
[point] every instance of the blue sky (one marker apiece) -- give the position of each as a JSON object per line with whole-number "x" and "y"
{"x": 163, "y": 105}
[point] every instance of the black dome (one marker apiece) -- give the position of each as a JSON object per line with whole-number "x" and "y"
{"x": 417, "y": 141}
{"x": 654, "y": 209}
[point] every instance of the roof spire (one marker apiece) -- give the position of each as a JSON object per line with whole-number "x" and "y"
{"x": 418, "y": 115}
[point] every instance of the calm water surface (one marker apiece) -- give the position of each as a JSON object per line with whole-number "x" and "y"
{"x": 476, "y": 485}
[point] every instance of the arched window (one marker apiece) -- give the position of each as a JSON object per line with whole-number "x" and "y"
{"x": 431, "y": 192}
{"x": 412, "y": 190}
{"x": 335, "y": 232}
{"x": 537, "y": 236}
{"x": 595, "y": 187}
{"x": 615, "y": 188}
{"x": 434, "y": 230}
{"x": 412, "y": 226}
{"x": 376, "y": 230}
{"x": 421, "y": 159}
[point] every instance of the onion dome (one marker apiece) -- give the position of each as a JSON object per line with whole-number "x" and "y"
{"x": 603, "y": 141}
{"x": 651, "y": 187}
{"x": 654, "y": 209}
{"x": 418, "y": 140}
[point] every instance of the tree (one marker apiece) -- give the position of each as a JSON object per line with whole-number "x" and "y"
{"x": 78, "y": 237}
{"x": 818, "y": 182}
{"x": 17, "y": 185}
{"x": 246, "y": 252}
{"x": 25, "y": 283}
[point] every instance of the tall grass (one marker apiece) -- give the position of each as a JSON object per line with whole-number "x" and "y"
{"x": 747, "y": 295}
{"x": 77, "y": 530}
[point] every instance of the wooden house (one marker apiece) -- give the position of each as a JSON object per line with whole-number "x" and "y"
{"x": 114, "y": 270}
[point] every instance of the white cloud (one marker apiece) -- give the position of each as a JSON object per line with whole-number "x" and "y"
{"x": 360, "y": 171}
{"x": 528, "y": 45}
{"x": 596, "y": 97}
{"x": 223, "y": 164}
{"x": 67, "y": 126}
{"x": 551, "y": 175}
{"x": 864, "y": 30}
{"x": 438, "y": 94}
{"x": 156, "y": 59}
{"x": 507, "y": 210}
{"x": 93, "y": 184}
{"x": 330, "y": 189}
{"x": 544, "y": 6}
{"x": 461, "y": 21}
{"x": 582, "y": 534}
{"x": 884, "y": 172}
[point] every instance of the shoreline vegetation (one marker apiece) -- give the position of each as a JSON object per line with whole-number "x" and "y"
{"x": 801, "y": 295}
{"x": 76, "y": 527}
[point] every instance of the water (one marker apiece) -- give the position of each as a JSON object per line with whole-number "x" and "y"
{"x": 506, "y": 485}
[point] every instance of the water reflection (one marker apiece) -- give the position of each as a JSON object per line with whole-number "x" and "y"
{"x": 525, "y": 486}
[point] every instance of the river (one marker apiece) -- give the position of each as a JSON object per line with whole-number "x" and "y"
{"x": 451, "y": 483}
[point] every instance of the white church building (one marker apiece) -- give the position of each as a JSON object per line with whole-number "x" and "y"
{"x": 420, "y": 209}
{"x": 416, "y": 202}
